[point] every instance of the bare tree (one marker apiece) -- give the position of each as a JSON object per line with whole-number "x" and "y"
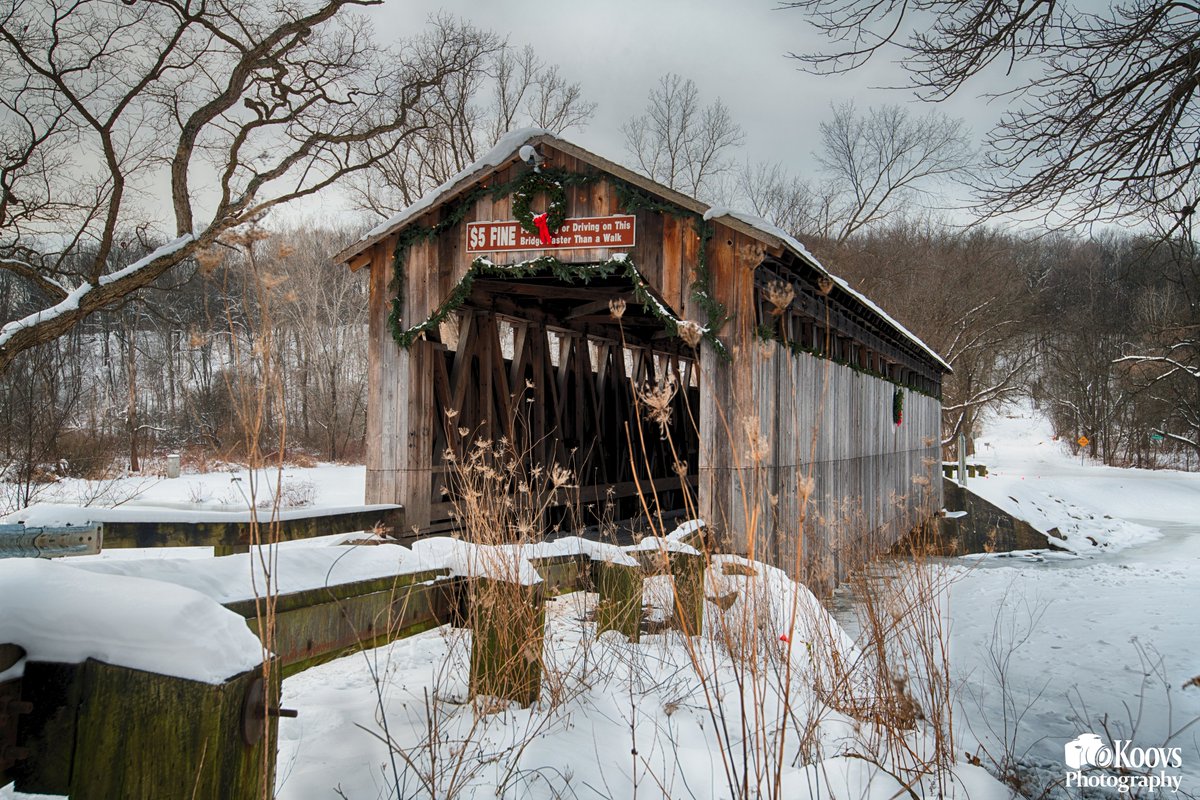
{"x": 1162, "y": 361}
{"x": 879, "y": 161}
{"x": 680, "y": 143}
{"x": 962, "y": 293}
{"x": 237, "y": 107}
{"x": 325, "y": 321}
{"x": 1106, "y": 126}
{"x": 526, "y": 88}
{"x": 504, "y": 90}
{"x": 798, "y": 206}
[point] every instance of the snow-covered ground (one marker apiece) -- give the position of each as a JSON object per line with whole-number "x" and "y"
{"x": 615, "y": 719}
{"x": 228, "y": 488}
{"x": 1047, "y": 649}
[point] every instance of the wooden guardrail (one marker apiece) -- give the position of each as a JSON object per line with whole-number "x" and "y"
{"x": 95, "y": 730}
{"x": 236, "y": 533}
{"x": 225, "y": 536}
{"x": 950, "y": 469}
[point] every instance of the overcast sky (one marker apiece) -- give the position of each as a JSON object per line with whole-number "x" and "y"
{"x": 618, "y": 49}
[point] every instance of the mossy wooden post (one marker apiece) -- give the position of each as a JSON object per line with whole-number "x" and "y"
{"x": 107, "y": 732}
{"x": 564, "y": 574}
{"x": 687, "y": 573}
{"x": 507, "y": 621}
{"x": 620, "y": 605}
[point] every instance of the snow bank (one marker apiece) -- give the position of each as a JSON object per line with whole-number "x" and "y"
{"x": 325, "y": 488}
{"x": 1033, "y": 476}
{"x": 240, "y": 577}
{"x": 63, "y": 614}
{"x": 654, "y": 698}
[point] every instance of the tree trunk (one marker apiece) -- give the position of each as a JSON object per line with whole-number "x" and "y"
{"x": 131, "y": 414}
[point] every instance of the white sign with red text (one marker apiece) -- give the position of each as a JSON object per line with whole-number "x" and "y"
{"x": 576, "y": 233}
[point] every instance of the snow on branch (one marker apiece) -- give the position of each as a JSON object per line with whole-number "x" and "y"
{"x": 1176, "y": 366}
{"x": 75, "y": 297}
{"x": 26, "y": 270}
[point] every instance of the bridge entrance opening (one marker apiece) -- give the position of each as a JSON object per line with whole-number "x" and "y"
{"x": 579, "y": 376}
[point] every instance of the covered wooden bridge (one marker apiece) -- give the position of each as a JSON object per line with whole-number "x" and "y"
{"x": 675, "y": 357}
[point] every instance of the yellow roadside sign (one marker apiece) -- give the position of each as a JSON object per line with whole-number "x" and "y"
{"x": 1082, "y": 441}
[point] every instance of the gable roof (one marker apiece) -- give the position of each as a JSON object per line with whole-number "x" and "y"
{"x": 506, "y": 151}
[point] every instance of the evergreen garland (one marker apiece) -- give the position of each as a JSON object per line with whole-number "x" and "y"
{"x": 633, "y": 199}
{"x": 553, "y": 181}
{"x": 568, "y": 273}
{"x": 454, "y": 214}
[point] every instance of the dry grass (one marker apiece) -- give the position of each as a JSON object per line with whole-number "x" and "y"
{"x": 772, "y": 672}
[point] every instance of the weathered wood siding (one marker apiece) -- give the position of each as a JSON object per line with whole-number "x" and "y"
{"x": 766, "y": 423}
{"x": 811, "y": 473}
{"x": 772, "y": 421}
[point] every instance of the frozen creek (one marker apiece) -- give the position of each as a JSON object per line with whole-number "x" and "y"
{"x": 1044, "y": 648}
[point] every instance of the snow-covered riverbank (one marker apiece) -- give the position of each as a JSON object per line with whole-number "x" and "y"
{"x": 1048, "y": 649}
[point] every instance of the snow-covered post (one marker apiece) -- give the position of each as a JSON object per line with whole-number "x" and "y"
{"x": 173, "y": 465}
{"x": 163, "y": 716}
{"x": 98, "y": 730}
{"x": 620, "y": 605}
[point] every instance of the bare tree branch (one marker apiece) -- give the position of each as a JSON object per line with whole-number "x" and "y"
{"x": 1107, "y": 127}
{"x": 679, "y": 143}
{"x": 236, "y": 107}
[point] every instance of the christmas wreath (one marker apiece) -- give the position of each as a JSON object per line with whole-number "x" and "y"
{"x": 547, "y": 223}
{"x": 898, "y": 405}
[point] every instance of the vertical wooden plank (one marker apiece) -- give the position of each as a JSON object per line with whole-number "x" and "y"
{"x": 416, "y": 474}
{"x": 384, "y": 410}
{"x": 672, "y": 280}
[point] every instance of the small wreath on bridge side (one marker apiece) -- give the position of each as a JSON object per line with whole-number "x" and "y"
{"x": 898, "y": 405}
{"x": 531, "y": 184}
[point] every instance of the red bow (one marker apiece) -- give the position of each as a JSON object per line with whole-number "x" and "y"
{"x": 543, "y": 228}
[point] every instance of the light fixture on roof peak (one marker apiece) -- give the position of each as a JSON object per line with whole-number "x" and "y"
{"x": 531, "y": 156}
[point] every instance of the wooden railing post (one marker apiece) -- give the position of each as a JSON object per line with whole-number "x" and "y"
{"x": 620, "y": 605}
{"x": 687, "y": 572}
{"x": 507, "y": 621}
{"x": 98, "y": 731}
